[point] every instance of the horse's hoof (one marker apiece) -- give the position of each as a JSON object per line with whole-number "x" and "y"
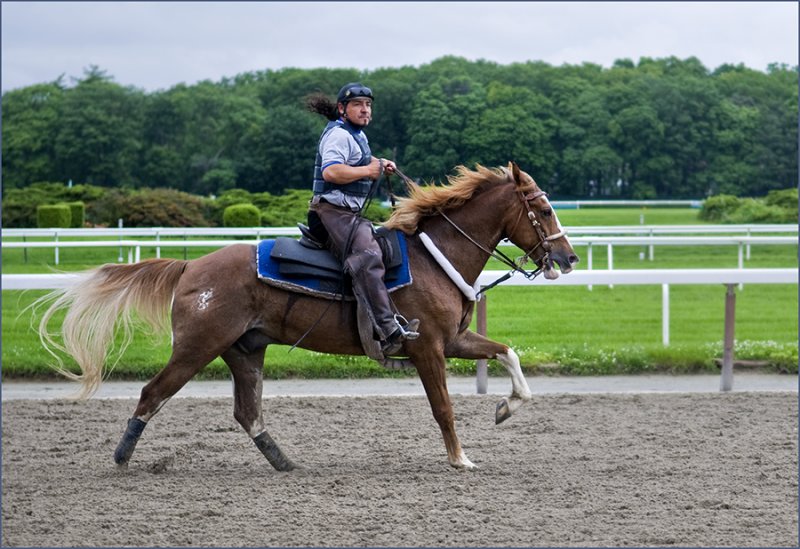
{"x": 503, "y": 411}
{"x": 291, "y": 466}
{"x": 284, "y": 465}
{"x": 463, "y": 464}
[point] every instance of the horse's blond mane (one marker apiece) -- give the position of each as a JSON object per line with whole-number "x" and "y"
{"x": 424, "y": 201}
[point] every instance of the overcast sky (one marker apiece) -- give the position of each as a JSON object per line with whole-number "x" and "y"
{"x": 156, "y": 45}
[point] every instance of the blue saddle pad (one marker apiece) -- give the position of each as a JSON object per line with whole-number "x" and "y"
{"x": 298, "y": 277}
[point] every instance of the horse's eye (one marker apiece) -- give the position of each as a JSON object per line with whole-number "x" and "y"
{"x": 547, "y": 212}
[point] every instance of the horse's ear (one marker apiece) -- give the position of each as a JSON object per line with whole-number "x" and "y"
{"x": 515, "y": 172}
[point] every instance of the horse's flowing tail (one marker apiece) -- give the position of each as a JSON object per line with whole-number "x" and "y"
{"x": 100, "y": 304}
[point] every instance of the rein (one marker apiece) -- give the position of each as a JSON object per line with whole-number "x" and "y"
{"x": 515, "y": 266}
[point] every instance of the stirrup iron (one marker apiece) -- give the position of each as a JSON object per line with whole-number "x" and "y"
{"x": 408, "y": 329}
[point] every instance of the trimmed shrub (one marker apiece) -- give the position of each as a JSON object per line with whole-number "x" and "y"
{"x": 776, "y": 207}
{"x": 164, "y": 208}
{"x": 51, "y": 216}
{"x": 717, "y": 208}
{"x": 77, "y": 210}
{"x": 786, "y": 198}
{"x": 241, "y": 215}
{"x": 216, "y": 207}
{"x": 20, "y": 205}
{"x": 285, "y": 210}
{"x": 757, "y": 211}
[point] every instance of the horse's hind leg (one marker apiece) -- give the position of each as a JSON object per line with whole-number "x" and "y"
{"x": 475, "y": 346}
{"x": 186, "y": 360}
{"x": 246, "y": 366}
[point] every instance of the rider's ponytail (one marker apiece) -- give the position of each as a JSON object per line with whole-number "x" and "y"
{"x": 322, "y": 104}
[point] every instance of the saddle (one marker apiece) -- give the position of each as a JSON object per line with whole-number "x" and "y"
{"x": 306, "y": 266}
{"x": 309, "y": 257}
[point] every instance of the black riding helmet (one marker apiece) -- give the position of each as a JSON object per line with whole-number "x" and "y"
{"x": 353, "y": 90}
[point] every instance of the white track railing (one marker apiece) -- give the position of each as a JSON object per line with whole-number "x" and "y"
{"x": 259, "y": 232}
{"x": 665, "y": 277}
{"x": 578, "y": 204}
{"x": 134, "y": 247}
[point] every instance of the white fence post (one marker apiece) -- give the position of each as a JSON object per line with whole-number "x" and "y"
{"x": 665, "y": 314}
{"x": 589, "y": 260}
{"x": 119, "y": 258}
{"x": 748, "y": 246}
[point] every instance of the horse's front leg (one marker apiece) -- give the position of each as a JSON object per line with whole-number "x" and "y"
{"x": 431, "y": 368}
{"x": 520, "y": 393}
{"x": 468, "y": 344}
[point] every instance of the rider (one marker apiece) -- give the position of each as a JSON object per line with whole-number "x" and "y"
{"x": 344, "y": 173}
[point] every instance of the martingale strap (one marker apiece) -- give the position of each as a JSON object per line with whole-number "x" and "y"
{"x": 469, "y": 291}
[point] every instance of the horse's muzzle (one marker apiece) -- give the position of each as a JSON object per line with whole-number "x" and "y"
{"x": 564, "y": 262}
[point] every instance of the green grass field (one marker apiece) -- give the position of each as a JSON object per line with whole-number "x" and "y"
{"x": 555, "y": 330}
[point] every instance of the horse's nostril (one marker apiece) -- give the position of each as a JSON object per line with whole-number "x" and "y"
{"x": 573, "y": 259}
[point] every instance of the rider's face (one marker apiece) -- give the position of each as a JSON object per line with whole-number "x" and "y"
{"x": 359, "y": 111}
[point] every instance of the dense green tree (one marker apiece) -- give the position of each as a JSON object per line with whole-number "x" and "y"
{"x": 279, "y": 153}
{"x": 99, "y": 131}
{"x": 395, "y": 90}
{"x": 31, "y": 119}
{"x": 663, "y": 128}
{"x": 517, "y": 124}
{"x": 438, "y": 118}
{"x": 163, "y": 163}
{"x": 215, "y": 119}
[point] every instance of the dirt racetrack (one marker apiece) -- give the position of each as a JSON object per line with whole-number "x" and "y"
{"x": 568, "y": 470}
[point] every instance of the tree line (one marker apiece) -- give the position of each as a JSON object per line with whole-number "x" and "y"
{"x": 656, "y": 128}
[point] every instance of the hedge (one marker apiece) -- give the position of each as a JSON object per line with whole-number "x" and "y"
{"x": 78, "y": 211}
{"x": 53, "y": 216}
{"x": 776, "y": 207}
{"x": 241, "y": 215}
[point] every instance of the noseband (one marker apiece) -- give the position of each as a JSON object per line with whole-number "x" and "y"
{"x": 517, "y": 266}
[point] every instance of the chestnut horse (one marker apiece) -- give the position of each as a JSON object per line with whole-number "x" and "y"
{"x": 220, "y": 308}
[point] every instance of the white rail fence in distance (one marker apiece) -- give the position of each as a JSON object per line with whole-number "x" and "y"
{"x": 665, "y": 277}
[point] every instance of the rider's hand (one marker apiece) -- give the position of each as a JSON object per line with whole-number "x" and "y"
{"x": 389, "y": 167}
{"x": 374, "y": 168}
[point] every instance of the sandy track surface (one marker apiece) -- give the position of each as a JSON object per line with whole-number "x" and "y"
{"x": 567, "y": 470}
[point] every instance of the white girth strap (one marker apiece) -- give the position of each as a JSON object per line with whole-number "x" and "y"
{"x": 445, "y": 264}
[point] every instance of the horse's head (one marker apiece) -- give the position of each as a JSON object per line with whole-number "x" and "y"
{"x": 532, "y": 224}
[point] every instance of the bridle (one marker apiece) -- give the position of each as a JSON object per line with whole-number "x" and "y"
{"x": 544, "y": 239}
{"x": 516, "y": 266}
